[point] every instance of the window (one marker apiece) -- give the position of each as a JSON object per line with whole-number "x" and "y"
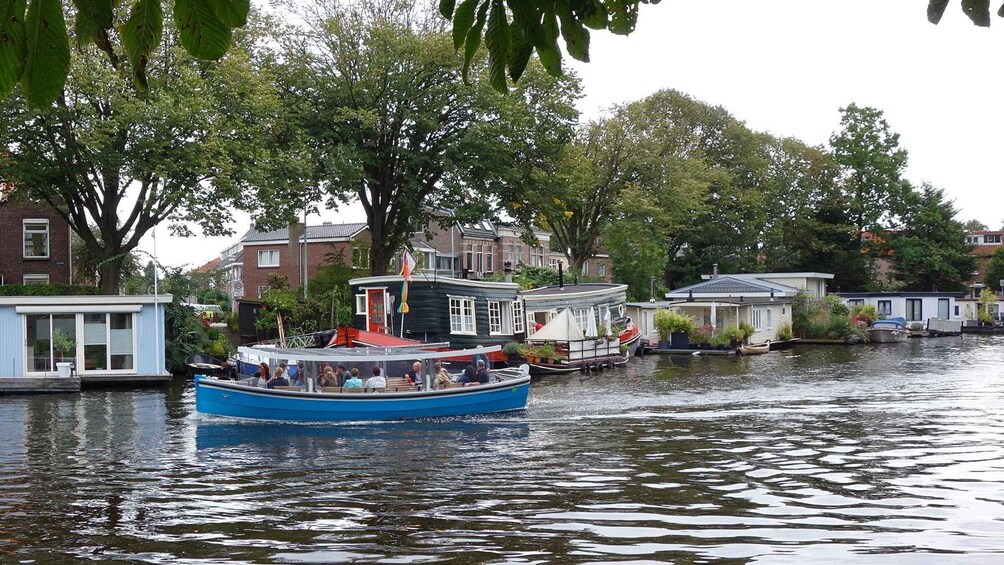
{"x": 537, "y": 256}
{"x": 360, "y": 257}
{"x": 35, "y": 279}
{"x": 268, "y": 258}
{"x": 517, "y": 317}
{"x": 36, "y": 239}
{"x": 262, "y": 291}
{"x": 601, "y": 270}
{"x": 855, "y": 302}
{"x": 585, "y": 269}
{"x": 992, "y": 238}
{"x": 756, "y": 319}
{"x": 914, "y": 310}
{"x": 94, "y": 341}
{"x": 885, "y": 307}
{"x": 770, "y": 318}
{"x": 501, "y": 317}
{"x": 943, "y": 308}
{"x": 360, "y": 305}
{"x": 582, "y": 318}
{"x": 462, "y": 315}
{"x": 494, "y": 318}
{"x": 553, "y": 263}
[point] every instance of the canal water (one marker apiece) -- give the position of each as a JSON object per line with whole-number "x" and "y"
{"x": 867, "y": 454}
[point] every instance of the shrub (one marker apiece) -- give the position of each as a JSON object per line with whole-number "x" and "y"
{"x": 702, "y": 335}
{"x": 512, "y": 348}
{"x": 545, "y": 351}
{"x": 784, "y": 332}
{"x": 866, "y": 313}
{"x": 723, "y": 339}
{"x": 748, "y": 330}
{"x": 48, "y": 290}
{"x": 670, "y": 321}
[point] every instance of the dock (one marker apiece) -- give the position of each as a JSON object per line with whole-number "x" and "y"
{"x": 33, "y": 385}
{"x": 694, "y": 351}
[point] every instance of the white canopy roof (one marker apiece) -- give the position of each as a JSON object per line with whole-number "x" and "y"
{"x": 355, "y": 354}
{"x": 562, "y": 327}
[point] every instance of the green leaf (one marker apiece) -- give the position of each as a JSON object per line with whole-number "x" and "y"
{"x": 576, "y": 36}
{"x": 202, "y": 33}
{"x": 48, "y": 53}
{"x": 474, "y": 38}
{"x": 526, "y": 14}
{"x": 497, "y": 39}
{"x": 92, "y": 17}
{"x": 446, "y": 8}
{"x": 463, "y": 19}
{"x": 519, "y": 52}
{"x": 234, "y": 13}
{"x": 13, "y": 44}
{"x": 592, "y": 13}
{"x": 978, "y": 11}
{"x": 141, "y": 35}
{"x": 936, "y": 9}
{"x": 623, "y": 16}
{"x": 550, "y": 54}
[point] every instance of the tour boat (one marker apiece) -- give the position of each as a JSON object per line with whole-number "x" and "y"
{"x": 507, "y": 390}
{"x": 891, "y": 330}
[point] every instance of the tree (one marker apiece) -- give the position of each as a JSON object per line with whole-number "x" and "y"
{"x": 379, "y": 95}
{"x": 974, "y": 225}
{"x": 930, "y": 252}
{"x": 121, "y": 160}
{"x": 994, "y": 272}
{"x": 871, "y": 164}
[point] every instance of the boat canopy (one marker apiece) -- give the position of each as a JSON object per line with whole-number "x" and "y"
{"x": 562, "y": 327}
{"x": 363, "y": 354}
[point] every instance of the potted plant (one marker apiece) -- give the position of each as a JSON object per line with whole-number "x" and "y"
{"x": 736, "y": 336}
{"x": 700, "y": 338}
{"x": 546, "y": 352}
{"x": 785, "y": 332}
{"x": 63, "y": 348}
{"x": 747, "y": 331}
{"x": 723, "y": 340}
{"x": 512, "y": 349}
{"x": 674, "y": 329}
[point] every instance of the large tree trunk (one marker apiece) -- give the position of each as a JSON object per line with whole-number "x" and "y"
{"x": 111, "y": 273}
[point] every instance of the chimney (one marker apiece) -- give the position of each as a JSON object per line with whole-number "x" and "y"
{"x": 714, "y": 271}
{"x": 507, "y": 267}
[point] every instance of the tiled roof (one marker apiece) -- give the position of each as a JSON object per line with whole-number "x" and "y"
{"x": 231, "y": 260}
{"x": 208, "y": 266}
{"x": 326, "y": 231}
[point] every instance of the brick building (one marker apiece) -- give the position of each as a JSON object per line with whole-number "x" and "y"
{"x": 36, "y": 246}
{"x": 985, "y": 244}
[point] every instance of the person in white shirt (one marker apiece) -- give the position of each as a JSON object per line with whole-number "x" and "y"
{"x": 377, "y": 380}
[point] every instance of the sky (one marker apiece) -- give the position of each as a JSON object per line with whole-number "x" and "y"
{"x": 787, "y": 67}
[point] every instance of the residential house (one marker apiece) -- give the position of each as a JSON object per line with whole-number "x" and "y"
{"x": 41, "y": 250}
{"x": 762, "y": 300}
{"x": 912, "y": 306}
{"x": 248, "y": 263}
{"x": 984, "y": 243}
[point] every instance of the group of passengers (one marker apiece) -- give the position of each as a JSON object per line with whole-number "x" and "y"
{"x": 475, "y": 373}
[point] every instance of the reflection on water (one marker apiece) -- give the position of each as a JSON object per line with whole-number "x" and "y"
{"x": 889, "y": 453}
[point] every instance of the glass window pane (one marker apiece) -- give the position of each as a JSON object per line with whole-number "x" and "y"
{"x": 37, "y": 343}
{"x": 64, "y": 337}
{"x": 95, "y": 342}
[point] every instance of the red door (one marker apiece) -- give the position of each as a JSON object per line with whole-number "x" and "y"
{"x": 376, "y": 310}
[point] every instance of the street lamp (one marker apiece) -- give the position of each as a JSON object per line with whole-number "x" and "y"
{"x": 651, "y": 288}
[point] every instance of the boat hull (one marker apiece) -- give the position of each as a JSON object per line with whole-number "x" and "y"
{"x": 883, "y": 335}
{"x": 242, "y": 401}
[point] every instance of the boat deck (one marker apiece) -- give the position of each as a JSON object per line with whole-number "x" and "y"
{"x": 33, "y": 385}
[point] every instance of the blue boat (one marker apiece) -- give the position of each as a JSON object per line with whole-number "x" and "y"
{"x": 507, "y": 390}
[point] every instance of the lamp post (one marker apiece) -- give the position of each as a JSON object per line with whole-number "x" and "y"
{"x": 651, "y": 288}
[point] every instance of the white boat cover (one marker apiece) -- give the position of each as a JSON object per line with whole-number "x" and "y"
{"x": 562, "y": 327}
{"x": 355, "y": 354}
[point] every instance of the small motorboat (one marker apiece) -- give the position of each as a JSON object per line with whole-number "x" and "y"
{"x": 506, "y": 391}
{"x": 890, "y": 330}
{"x": 754, "y": 348}
{"x": 201, "y": 364}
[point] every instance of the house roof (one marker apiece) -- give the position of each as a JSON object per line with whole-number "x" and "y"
{"x": 761, "y": 276}
{"x": 237, "y": 258}
{"x": 208, "y": 266}
{"x": 482, "y": 230}
{"x": 728, "y": 285}
{"x": 325, "y": 231}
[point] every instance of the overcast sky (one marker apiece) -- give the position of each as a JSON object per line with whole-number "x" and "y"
{"x": 787, "y": 67}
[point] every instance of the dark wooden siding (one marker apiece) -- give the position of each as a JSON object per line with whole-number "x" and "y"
{"x": 428, "y": 317}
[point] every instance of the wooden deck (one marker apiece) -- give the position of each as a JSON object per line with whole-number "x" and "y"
{"x": 694, "y": 351}
{"x": 123, "y": 380}
{"x": 32, "y": 385}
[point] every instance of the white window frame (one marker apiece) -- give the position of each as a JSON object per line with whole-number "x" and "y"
{"x": 601, "y": 269}
{"x": 268, "y": 265}
{"x": 462, "y": 307}
{"x": 920, "y": 310}
{"x": 24, "y": 237}
{"x": 494, "y": 317}
{"x": 582, "y": 318}
{"x": 263, "y": 290}
{"x": 518, "y": 317}
{"x": 770, "y": 318}
{"x": 78, "y": 357}
{"x": 757, "y": 317}
{"x": 361, "y": 304}
{"x": 884, "y": 311}
{"x": 39, "y": 278}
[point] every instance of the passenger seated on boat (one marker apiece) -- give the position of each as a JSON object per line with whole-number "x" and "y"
{"x": 377, "y": 380}
{"x": 353, "y": 381}
{"x": 482, "y": 375}
{"x": 260, "y": 379}
{"x": 469, "y": 375}
{"x": 342, "y": 374}
{"x": 414, "y": 376}
{"x": 328, "y": 378}
{"x": 278, "y": 380}
{"x": 443, "y": 377}
{"x": 299, "y": 379}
